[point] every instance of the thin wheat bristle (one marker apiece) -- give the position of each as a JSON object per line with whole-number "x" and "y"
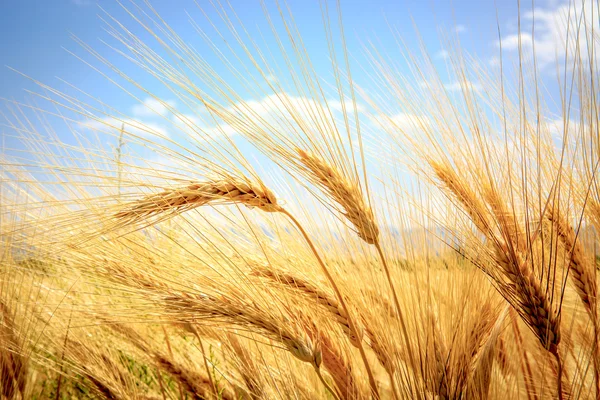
{"x": 346, "y": 194}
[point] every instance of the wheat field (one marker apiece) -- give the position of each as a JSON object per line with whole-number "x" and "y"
{"x": 305, "y": 236}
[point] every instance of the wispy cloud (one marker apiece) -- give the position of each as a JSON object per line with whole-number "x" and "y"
{"x": 460, "y": 28}
{"x": 131, "y": 126}
{"x": 152, "y": 107}
{"x": 454, "y": 86}
{"x": 442, "y": 54}
{"x": 83, "y": 3}
{"x": 555, "y": 38}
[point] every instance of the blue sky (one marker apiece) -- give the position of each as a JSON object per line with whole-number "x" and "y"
{"x": 34, "y": 33}
{"x": 35, "y": 38}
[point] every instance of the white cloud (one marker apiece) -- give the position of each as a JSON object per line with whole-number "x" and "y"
{"x": 494, "y": 61}
{"x": 555, "y": 32}
{"x": 83, "y": 3}
{"x": 454, "y": 86}
{"x": 152, "y": 107}
{"x": 337, "y": 106}
{"x": 405, "y": 123}
{"x": 460, "y": 28}
{"x": 131, "y": 126}
{"x": 460, "y": 86}
{"x": 442, "y": 54}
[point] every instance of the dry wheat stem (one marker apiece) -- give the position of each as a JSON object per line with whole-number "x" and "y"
{"x": 372, "y": 382}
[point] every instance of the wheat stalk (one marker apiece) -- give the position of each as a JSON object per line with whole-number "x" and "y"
{"x": 465, "y": 195}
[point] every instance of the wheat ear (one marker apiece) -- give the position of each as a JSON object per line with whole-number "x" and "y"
{"x": 199, "y": 194}
{"x": 199, "y": 386}
{"x": 308, "y": 288}
{"x": 187, "y": 307}
{"x": 523, "y": 290}
{"x": 336, "y": 364}
{"x": 583, "y": 276}
{"x": 471, "y": 203}
{"x": 532, "y": 302}
{"x": 482, "y": 357}
{"x": 534, "y": 306}
{"x": 344, "y": 192}
{"x": 84, "y": 356}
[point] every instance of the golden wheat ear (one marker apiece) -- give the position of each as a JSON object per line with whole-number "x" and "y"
{"x": 346, "y": 194}
{"x": 179, "y": 200}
